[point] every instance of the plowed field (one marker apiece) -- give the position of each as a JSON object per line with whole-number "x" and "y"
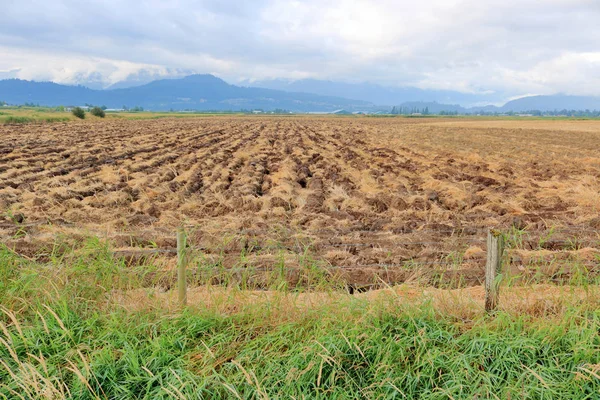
{"x": 361, "y": 193}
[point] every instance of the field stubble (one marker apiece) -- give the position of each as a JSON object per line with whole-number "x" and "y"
{"x": 366, "y": 194}
{"x": 297, "y": 194}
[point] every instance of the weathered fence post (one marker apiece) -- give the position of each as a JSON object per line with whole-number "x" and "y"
{"x": 182, "y": 260}
{"x": 493, "y": 267}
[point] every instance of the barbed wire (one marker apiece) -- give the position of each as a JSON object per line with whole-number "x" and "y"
{"x": 379, "y": 241}
{"x": 334, "y": 231}
{"x": 145, "y": 251}
{"x": 389, "y": 244}
{"x": 578, "y": 244}
{"x": 509, "y": 259}
{"x": 397, "y": 243}
{"x": 405, "y": 266}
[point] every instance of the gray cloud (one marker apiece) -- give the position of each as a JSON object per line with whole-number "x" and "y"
{"x": 513, "y": 47}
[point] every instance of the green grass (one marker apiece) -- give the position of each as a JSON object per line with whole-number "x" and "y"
{"x": 29, "y": 115}
{"x": 63, "y": 335}
{"x": 12, "y": 120}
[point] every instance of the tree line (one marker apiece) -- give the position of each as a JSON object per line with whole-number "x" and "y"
{"x": 400, "y": 110}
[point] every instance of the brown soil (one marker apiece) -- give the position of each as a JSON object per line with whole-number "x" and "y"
{"x": 365, "y": 194}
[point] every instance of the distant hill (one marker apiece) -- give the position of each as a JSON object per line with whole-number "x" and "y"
{"x": 378, "y": 94}
{"x": 551, "y": 103}
{"x": 435, "y": 100}
{"x": 556, "y": 103}
{"x": 207, "y": 92}
{"x": 144, "y": 76}
{"x": 196, "y": 92}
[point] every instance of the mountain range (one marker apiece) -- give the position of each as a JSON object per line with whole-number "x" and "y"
{"x": 207, "y": 92}
{"x": 381, "y": 95}
{"x": 194, "y": 92}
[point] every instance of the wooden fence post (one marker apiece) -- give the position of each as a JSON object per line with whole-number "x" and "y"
{"x": 182, "y": 260}
{"x": 493, "y": 267}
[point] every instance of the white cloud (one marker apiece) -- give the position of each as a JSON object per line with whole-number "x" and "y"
{"x": 510, "y": 46}
{"x": 72, "y": 69}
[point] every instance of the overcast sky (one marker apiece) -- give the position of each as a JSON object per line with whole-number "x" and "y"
{"x": 513, "y": 46}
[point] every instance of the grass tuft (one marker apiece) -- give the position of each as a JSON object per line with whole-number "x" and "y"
{"x": 66, "y": 332}
{"x": 16, "y": 120}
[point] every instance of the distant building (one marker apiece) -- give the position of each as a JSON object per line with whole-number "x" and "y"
{"x": 70, "y": 108}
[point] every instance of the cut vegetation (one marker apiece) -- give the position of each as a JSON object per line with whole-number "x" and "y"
{"x": 85, "y": 326}
{"x": 331, "y": 257}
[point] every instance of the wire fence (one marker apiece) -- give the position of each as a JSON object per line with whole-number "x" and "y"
{"x": 451, "y": 242}
{"x": 354, "y": 252}
{"x": 250, "y": 242}
{"x": 458, "y": 230}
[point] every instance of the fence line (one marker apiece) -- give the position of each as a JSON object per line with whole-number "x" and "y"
{"x": 367, "y": 245}
{"x": 403, "y": 264}
{"x": 466, "y": 231}
{"x": 493, "y": 266}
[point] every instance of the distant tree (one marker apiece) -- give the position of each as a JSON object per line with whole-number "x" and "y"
{"x": 78, "y": 112}
{"x": 60, "y": 108}
{"x": 125, "y": 108}
{"x": 104, "y": 108}
{"x": 98, "y": 112}
{"x": 3, "y": 103}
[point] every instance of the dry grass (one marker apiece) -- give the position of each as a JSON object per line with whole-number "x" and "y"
{"x": 311, "y": 179}
{"x": 84, "y": 324}
{"x": 540, "y": 300}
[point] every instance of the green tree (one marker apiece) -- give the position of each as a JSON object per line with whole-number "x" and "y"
{"x": 98, "y": 112}
{"x": 78, "y": 112}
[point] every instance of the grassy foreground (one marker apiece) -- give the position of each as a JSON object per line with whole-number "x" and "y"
{"x": 69, "y": 329}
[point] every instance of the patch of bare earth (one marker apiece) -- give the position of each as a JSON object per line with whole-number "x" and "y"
{"x": 378, "y": 197}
